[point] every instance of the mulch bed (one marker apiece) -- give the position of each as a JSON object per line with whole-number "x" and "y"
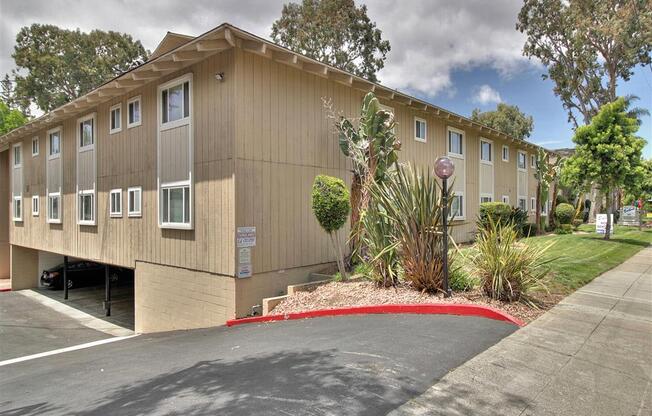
{"x": 364, "y": 293}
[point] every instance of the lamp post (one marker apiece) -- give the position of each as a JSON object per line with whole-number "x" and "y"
{"x": 444, "y": 169}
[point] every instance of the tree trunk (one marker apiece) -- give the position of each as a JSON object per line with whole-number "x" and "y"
{"x": 538, "y": 208}
{"x": 594, "y": 203}
{"x": 356, "y": 200}
{"x": 338, "y": 254}
{"x": 609, "y": 195}
{"x": 553, "y": 207}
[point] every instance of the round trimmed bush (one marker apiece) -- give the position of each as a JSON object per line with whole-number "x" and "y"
{"x": 330, "y": 202}
{"x": 564, "y": 213}
{"x": 499, "y": 212}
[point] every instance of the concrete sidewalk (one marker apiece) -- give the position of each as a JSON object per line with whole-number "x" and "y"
{"x": 589, "y": 355}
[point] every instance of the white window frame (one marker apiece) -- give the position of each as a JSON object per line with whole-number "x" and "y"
{"x": 544, "y": 209}
{"x": 518, "y": 154}
{"x": 17, "y": 147}
{"x": 113, "y": 108}
{"x": 524, "y": 199}
{"x": 505, "y": 199}
{"x": 423, "y": 139}
{"x": 118, "y": 213}
{"x": 505, "y": 147}
{"x": 51, "y": 220}
{"x": 463, "y": 210}
{"x": 533, "y": 204}
{"x": 38, "y": 145}
{"x": 491, "y": 151}
{"x": 19, "y": 217}
{"x": 132, "y": 212}
{"x": 49, "y": 143}
{"x": 533, "y": 161}
{"x": 80, "y": 207}
{"x": 168, "y": 85}
{"x": 36, "y": 203}
{"x": 450, "y": 129}
{"x": 490, "y": 196}
{"x": 177, "y": 225}
{"x": 81, "y": 120}
{"x": 140, "y": 111}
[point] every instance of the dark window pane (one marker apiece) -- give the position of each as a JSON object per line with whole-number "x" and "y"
{"x": 164, "y": 106}
{"x": 186, "y": 99}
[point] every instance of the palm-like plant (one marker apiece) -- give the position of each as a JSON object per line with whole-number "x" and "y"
{"x": 546, "y": 173}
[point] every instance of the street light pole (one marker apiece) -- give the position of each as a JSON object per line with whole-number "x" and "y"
{"x": 444, "y": 169}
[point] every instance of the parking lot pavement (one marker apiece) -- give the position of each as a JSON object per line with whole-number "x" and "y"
{"x": 353, "y": 365}
{"x": 29, "y": 327}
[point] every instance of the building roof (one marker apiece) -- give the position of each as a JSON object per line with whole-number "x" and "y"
{"x": 223, "y": 37}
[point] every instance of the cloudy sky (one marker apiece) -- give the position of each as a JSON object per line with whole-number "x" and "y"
{"x": 459, "y": 55}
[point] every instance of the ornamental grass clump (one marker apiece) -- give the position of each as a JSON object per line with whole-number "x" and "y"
{"x": 411, "y": 202}
{"x": 507, "y": 269}
{"x": 380, "y": 246}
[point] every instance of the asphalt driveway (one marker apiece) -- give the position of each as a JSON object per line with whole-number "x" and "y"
{"x": 352, "y": 365}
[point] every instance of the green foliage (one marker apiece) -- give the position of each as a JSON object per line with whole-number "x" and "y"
{"x": 459, "y": 279}
{"x": 55, "y": 66}
{"x": 528, "y": 229}
{"x": 380, "y": 241}
{"x": 506, "y": 118}
{"x": 587, "y": 47}
{"x": 565, "y": 213}
{"x": 411, "y": 200}
{"x": 10, "y": 119}
{"x": 335, "y": 32}
{"x": 330, "y": 202}
{"x": 498, "y": 212}
{"x": 576, "y": 224}
{"x": 561, "y": 199}
{"x": 508, "y": 270}
{"x": 518, "y": 218}
{"x": 564, "y": 229}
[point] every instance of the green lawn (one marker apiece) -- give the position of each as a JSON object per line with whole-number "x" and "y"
{"x": 579, "y": 258}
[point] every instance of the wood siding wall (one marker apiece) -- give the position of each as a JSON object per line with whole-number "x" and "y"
{"x": 5, "y": 209}
{"x": 128, "y": 158}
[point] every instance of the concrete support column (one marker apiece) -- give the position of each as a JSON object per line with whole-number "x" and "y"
{"x": 24, "y": 268}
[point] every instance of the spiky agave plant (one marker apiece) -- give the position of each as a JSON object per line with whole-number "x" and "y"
{"x": 411, "y": 201}
{"x": 509, "y": 270}
{"x": 379, "y": 238}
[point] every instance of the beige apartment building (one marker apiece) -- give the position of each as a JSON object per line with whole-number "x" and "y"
{"x": 194, "y": 169}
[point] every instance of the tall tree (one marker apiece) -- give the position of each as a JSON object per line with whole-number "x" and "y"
{"x": 607, "y": 152}
{"x": 506, "y": 118}
{"x": 10, "y": 119}
{"x": 587, "y": 46}
{"x": 55, "y": 66}
{"x": 335, "y": 32}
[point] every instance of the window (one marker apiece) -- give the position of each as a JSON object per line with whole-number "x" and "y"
{"x": 35, "y": 146}
{"x": 133, "y": 112}
{"x": 115, "y": 202}
{"x": 54, "y": 139}
{"x": 54, "y": 207}
{"x": 175, "y": 205}
{"x": 134, "y": 199}
{"x": 521, "y": 160}
{"x": 115, "y": 119}
{"x": 544, "y": 208}
{"x": 18, "y": 155}
{"x": 533, "y": 204}
{"x": 420, "y": 132}
{"x": 485, "y": 151}
{"x": 18, "y": 208}
{"x": 455, "y": 142}
{"x": 87, "y": 207}
{"x": 485, "y": 198}
{"x": 86, "y": 132}
{"x": 457, "y": 207}
{"x": 175, "y": 102}
{"x": 522, "y": 204}
{"x": 505, "y": 153}
{"x": 35, "y": 205}
{"x": 533, "y": 161}
{"x": 505, "y": 199}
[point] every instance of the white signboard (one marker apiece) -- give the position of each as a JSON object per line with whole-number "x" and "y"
{"x": 244, "y": 255}
{"x": 244, "y": 270}
{"x": 601, "y": 224}
{"x": 246, "y": 236}
{"x": 629, "y": 215}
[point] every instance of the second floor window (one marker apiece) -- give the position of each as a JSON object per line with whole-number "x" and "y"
{"x": 115, "y": 119}
{"x": 485, "y": 151}
{"x": 18, "y": 155}
{"x": 86, "y": 133}
{"x": 521, "y": 160}
{"x": 55, "y": 143}
{"x": 175, "y": 102}
{"x": 455, "y": 142}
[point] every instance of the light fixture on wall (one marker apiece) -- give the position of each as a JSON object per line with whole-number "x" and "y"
{"x": 219, "y": 76}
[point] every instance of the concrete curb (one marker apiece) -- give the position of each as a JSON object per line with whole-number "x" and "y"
{"x": 426, "y": 309}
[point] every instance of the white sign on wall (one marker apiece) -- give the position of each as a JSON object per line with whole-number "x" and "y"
{"x": 244, "y": 270}
{"x": 244, "y": 255}
{"x": 601, "y": 224}
{"x": 246, "y": 236}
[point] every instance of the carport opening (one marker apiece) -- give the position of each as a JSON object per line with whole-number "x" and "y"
{"x": 84, "y": 287}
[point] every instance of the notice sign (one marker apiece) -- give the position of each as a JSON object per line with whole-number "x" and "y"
{"x": 246, "y": 236}
{"x": 601, "y": 224}
{"x": 244, "y": 270}
{"x": 244, "y": 255}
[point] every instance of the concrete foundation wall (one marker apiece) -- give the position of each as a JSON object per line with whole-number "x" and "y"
{"x": 24, "y": 268}
{"x": 252, "y": 290}
{"x": 171, "y": 298}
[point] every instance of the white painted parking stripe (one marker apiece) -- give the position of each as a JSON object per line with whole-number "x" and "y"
{"x": 82, "y": 317}
{"x": 66, "y": 349}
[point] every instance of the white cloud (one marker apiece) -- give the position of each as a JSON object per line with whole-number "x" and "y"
{"x": 547, "y": 142}
{"x": 486, "y": 95}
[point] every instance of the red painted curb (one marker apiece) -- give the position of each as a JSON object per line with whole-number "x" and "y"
{"x": 429, "y": 309}
{"x": 6, "y": 290}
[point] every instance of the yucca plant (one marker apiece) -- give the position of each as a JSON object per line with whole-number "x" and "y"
{"x": 381, "y": 246}
{"x": 508, "y": 270}
{"x": 411, "y": 202}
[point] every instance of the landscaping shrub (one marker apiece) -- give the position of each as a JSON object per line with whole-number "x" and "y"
{"x": 411, "y": 201}
{"x": 331, "y": 206}
{"x": 459, "y": 279}
{"x": 576, "y": 224}
{"x": 565, "y": 213}
{"x": 518, "y": 218}
{"x": 377, "y": 235}
{"x": 499, "y": 212}
{"x": 528, "y": 229}
{"x": 564, "y": 229}
{"x": 508, "y": 270}
{"x": 561, "y": 199}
